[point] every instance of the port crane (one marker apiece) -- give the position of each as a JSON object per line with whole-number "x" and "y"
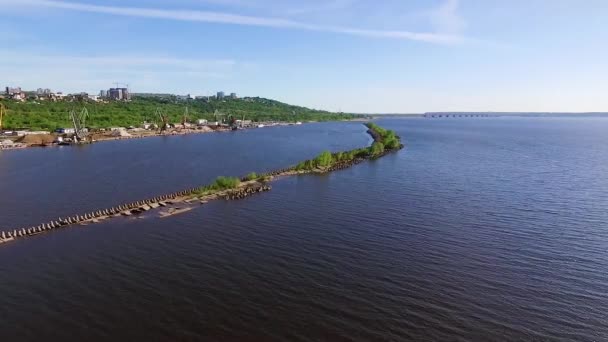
{"x": 164, "y": 121}
{"x": 2, "y": 114}
{"x": 232, "y": 122}
{"x": 185, "y": 117}
{"x": 221, "y": 115}
{"x": 79, "y": 121}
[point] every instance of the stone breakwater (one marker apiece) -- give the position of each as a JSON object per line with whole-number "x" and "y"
{"x": 246, "y": 189}
{"x": 241, "y": 193}
{"x": 128, "y": 209}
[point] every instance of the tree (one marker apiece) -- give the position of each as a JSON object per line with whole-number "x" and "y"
{"x": 226, "y": 183}
{"x": 361, "y": 152}
{"x": 309, "y": 165}
{"x": 324, "y": 159}
{"x": 392, "y": 143}
{"x": 377, "y": 148}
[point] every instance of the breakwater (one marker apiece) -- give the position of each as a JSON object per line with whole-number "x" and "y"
{"x": 126, "y": 209}
{"x": 246, "y": 188}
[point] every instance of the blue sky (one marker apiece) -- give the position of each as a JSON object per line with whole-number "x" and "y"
{"x": 350, "y": 55}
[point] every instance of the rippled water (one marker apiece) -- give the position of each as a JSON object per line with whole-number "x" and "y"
{"x": 481, "y": 229}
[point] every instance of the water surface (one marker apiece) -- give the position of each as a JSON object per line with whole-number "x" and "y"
{"x": 481, "y": 229}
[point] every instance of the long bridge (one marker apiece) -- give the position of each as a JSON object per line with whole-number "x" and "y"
{"x": 456, "y": 115}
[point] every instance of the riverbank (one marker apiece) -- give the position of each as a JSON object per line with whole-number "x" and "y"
{"x": 223, "y": 188}
{"x": 53, "y": 139}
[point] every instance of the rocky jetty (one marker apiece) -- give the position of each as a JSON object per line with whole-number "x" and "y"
{"x": 127, "y": 209}
{"x": 245, "y": 192}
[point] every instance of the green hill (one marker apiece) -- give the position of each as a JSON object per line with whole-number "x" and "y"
{"x": 47, "y": 115}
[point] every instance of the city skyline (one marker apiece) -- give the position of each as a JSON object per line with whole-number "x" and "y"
{"x": 8, "y": 90}
{"x": 349, "y": 55}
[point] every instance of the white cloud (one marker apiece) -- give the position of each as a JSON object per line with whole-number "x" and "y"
{"x": 446, "y": 18}
{"x": 236, "y": 19}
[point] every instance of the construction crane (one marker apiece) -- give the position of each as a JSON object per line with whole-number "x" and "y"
{"x": 79, "y": 121}
{"x": 164, "y": 122}
{"x": 185, "y": 117}
{"x": 232, "y": 122}
{"x": 221, "y": 115}
{"x": 2, "y": 114}
{"x": 118, "y": 84}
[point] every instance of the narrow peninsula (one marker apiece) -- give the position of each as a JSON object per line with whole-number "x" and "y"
{"x": 227, "y": 188}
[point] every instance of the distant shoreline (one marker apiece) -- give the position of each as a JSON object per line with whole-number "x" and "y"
{"x": 107, "y": 136}
{"x": 498, "y": 114}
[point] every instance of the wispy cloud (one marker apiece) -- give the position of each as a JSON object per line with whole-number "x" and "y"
{"x": 236, "y": 19}
{"x": 446, "y": 18}
{"x": 116, "y": 61}
{"x": 327, "y": 6}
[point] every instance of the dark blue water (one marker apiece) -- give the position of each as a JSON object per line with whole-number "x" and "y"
{"x": 481, "y": 229}
{"x": 69, "y": 180}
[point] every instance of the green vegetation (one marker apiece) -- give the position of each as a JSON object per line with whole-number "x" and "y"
{"x": 325, "y": 159}
{"x": 387, "y": 138}
{"x": 383, "y": 140}
{"x": 251, "y": 176}
{"x": 377, "y": 148}
{"x": 376, "y": 128}
{"x": 305, "y": 165}
{"x": 221, "y": 183}
{"x": 322, "y": 161}
{"x": 47, "y": 115}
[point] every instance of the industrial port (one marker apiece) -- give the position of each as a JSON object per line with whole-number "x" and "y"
{"x": 80, "y": 133}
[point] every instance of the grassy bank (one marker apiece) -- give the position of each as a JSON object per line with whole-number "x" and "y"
{"x": 384, "y": 141}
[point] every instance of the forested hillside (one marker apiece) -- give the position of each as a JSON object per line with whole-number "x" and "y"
{"x": 49, "y": 115}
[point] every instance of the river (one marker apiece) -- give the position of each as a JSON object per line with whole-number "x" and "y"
{"x": 480, "y": 229}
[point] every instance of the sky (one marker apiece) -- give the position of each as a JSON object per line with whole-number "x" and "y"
{"x": 366, "y": 56}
